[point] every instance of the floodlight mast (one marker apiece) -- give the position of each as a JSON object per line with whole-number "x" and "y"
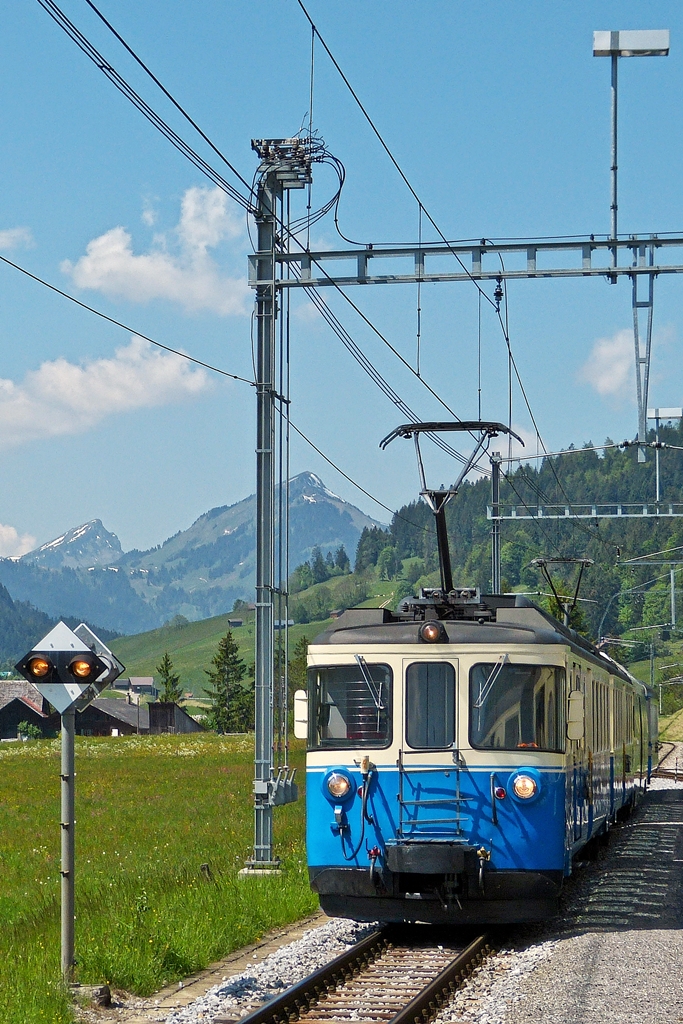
{"x": 647, "y": 43}
{"x": 438, "y": 499}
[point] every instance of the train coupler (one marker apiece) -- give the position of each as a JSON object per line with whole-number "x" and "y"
{"x": 484, "y": 856}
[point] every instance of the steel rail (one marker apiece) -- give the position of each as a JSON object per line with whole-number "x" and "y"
{"x": 310, "y": 993}
{"x": 429, "y": 1001}
{"x": 663, "y": 771}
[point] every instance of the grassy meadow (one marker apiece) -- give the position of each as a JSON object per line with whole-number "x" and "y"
{"x": 150, "y": 811}
{"x": 671, "y": 727}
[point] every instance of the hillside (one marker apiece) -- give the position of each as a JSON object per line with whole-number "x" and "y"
{"x": 639, "y": 596}
{"x": 191, "y": 646}
{"x": 21, "y": 626}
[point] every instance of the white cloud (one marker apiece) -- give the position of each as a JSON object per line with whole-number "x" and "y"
{"x": 14, "y": 238}
{"x": 609, "y": 368}
{"x": 65, "y": 398}
{"x": 189, "y": 275}
{"x": 13, "y": 543}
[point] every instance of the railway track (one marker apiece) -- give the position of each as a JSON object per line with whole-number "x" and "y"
{"x": 395, "y": 975}
{"x": 670, "y": 764}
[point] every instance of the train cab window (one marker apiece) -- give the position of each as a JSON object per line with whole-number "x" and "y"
{"x": 516, "y": 707}
{"x": 351, "y": 706}
{"x": 430, "y": 704}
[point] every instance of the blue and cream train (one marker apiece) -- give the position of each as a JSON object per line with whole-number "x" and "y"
{"x": 461, "y": 752}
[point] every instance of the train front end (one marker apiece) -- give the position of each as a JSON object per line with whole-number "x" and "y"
{"x": 436, "y": 767}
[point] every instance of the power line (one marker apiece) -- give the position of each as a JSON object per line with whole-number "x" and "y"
{"x": 125, "y": 327}
{"x": 357, "y": 485}
{"x": 155, "y": 119}
{"x": 391, "y": 156}
{"x": 166, "y": 93}
{"x": 522, "y": 502}
{"x": 367, "y": 365}
{"x": 93, "y": 54}
{"x": 664, "y": 551}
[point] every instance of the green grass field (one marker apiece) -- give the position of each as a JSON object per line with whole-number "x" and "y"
{"x": 150, "y": 811}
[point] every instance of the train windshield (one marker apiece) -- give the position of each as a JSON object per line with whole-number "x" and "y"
{"x": 351, "y": 705}
{"x": 516, "y": 707}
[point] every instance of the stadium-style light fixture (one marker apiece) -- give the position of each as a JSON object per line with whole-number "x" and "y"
{"x": 653, "y": 42}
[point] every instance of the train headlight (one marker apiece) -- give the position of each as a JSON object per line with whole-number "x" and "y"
{"x": 525, "y": 785}
{"x": 338, "y": 785}
{"x": 432, "y": 633}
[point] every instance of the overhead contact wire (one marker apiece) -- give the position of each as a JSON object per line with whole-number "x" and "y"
{"x": 125, "y": 327}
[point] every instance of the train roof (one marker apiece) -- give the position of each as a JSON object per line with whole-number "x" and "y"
{"x": 494, "y": 619}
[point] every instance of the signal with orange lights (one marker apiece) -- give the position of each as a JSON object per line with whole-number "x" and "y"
{"x": 61, "y": 667}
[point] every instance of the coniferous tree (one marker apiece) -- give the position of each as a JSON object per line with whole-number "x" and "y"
{"x": 341, "y": 559}
{"x": 297, "y": 665}
{"x": 318, "y": 567}
{"x": 232, "y": 703}
{"x": 171, "y": 689}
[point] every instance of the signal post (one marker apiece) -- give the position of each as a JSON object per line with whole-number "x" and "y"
{"x": 69, "y": 668}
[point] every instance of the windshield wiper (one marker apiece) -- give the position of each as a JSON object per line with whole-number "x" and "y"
{"x": 490, "y": 682}
{"x": 370, "y": 683}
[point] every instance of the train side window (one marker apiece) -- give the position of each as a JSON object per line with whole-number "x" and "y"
{"x": 351, "y": 706}
{"x": 430, "y": 704}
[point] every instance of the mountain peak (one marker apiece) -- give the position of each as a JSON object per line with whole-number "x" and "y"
{"x": 79, "y": 548}
{"x": 310, "y": 482}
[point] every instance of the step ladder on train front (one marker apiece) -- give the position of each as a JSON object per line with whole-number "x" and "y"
{"x": 431, "y": 806}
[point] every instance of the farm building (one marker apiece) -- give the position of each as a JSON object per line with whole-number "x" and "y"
{"x": 111, "y": 716}
{"x": 21, "y": 702}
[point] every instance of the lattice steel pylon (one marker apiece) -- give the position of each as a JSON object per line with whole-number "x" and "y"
{"x": 642, "y": 361}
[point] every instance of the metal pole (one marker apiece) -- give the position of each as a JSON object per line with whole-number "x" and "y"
{"x": 657, "y": 456}
{"x": 672, "y": 577}
{"x": 613, "y": 207}
{"x": 495, "y": 521}
{"x": 264, "y": 627}
{"x": 67, "y": 828}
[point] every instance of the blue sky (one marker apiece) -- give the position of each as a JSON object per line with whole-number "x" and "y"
{"x": 498, "y": 114}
